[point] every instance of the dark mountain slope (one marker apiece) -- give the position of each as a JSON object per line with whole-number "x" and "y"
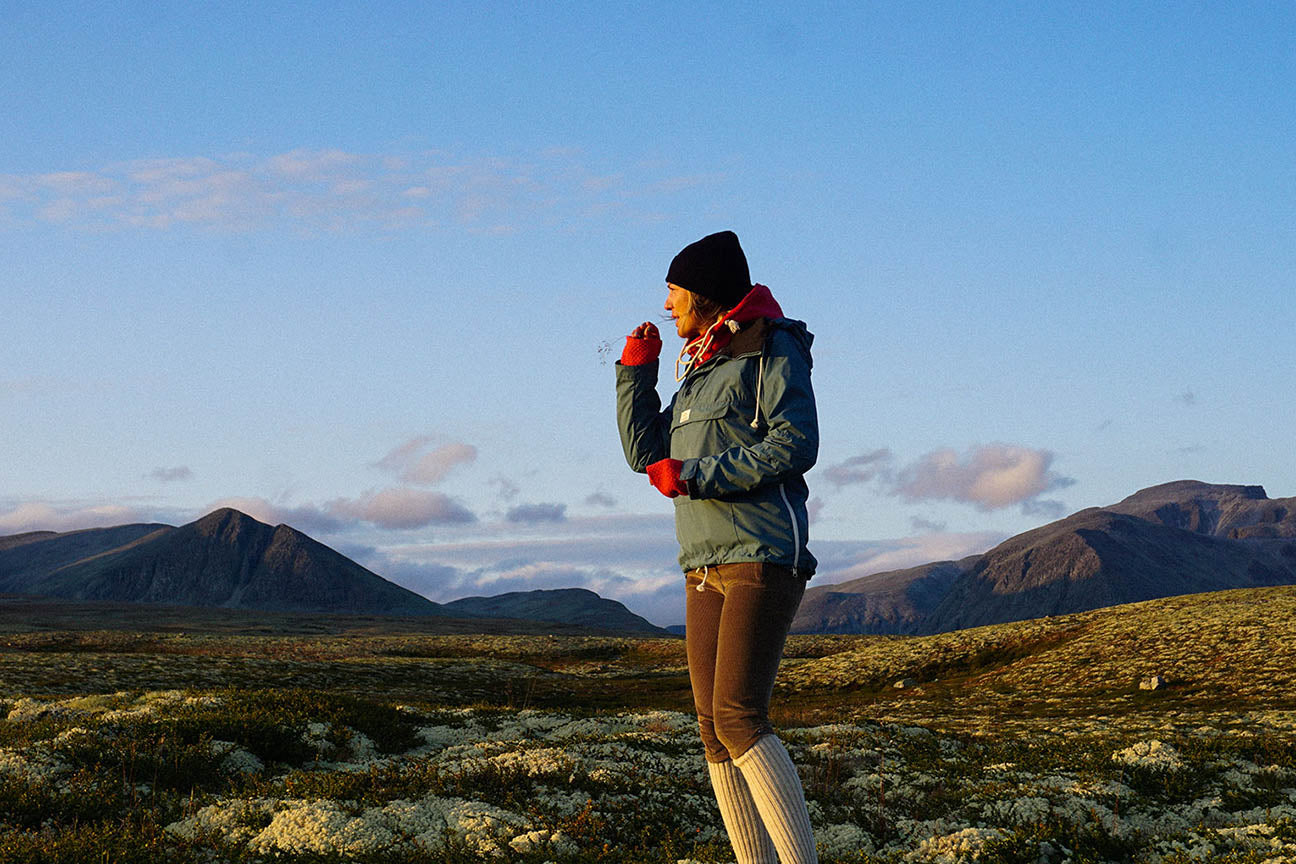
{"x": 229, "y": 559}
{"x": 574, "y": 606}
{"x": 25, "y": 557}
{"x": 1093, "y": 559}
{"x": 1177, "y": 538}
{"x": 897, "y": 601}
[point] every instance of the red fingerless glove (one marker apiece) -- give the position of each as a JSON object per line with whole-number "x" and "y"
{"x": 665, "y": 475}
{"x": 641, "y": 350}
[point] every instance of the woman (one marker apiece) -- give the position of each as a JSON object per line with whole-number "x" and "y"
{"x": 731, "y": 450}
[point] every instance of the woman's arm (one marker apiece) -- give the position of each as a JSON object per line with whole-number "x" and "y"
{"x": 790, "y": 444}
{"x": 644, "y": 427}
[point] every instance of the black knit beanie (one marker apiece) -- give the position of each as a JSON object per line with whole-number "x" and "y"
{"x": 714, "y": 267}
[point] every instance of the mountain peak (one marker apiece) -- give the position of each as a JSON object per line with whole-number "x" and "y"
{"x": 1179, "y": 490}
{"x": 229, "y": 524}
{"x": 223, "y": 515}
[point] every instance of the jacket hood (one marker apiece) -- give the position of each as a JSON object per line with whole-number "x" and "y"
{"x": 798, "y": 330}
{"x": 759, "y": 303}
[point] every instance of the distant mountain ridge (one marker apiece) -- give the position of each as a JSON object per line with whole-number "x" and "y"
{"x": 229, "y": 559}
{"x": 1177, "y": 538}
{"x": 581, "y": 606}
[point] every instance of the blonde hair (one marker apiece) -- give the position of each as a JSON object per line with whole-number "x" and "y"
{"x": 704, "y": 308}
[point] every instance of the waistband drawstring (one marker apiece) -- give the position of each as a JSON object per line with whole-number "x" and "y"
{"x": 702, "y": 585}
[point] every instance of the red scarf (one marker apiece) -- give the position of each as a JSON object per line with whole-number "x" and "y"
{"x": 759, "y": 303}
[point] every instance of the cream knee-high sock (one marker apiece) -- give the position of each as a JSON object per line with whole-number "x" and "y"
{"x": 751, "y": 842}
{"x": 776, "y": 788}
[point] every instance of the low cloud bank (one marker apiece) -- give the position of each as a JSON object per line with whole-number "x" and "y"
{"x": 626, "y": 558}
{"x": 41, "y": 516}
{"x": 395, "y": 509}
{"x": 631, "y": 559}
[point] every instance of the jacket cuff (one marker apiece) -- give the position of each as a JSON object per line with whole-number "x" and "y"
{"x": 640, "y": 370}
{"x": 688, "y": 474}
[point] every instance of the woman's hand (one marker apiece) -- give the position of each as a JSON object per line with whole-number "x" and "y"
{"x": 665, "y": 475}
{"x": 643, "y": 345}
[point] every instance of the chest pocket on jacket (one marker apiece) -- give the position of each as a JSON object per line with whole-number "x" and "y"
{"x": 699, "y": 413}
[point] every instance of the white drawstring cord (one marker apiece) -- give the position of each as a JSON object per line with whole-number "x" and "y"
{"x": 679, "y": 376}
{"x": 702, "y": 585}
{"x": 706, "y": 339}
{"x": 760, "y": 376}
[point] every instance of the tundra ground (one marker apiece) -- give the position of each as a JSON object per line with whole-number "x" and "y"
{"x": 1027, "y": 742}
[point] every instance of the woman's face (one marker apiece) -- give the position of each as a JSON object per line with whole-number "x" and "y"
{"x": 679, "y": 303}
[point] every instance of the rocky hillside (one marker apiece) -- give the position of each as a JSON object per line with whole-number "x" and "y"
{"x": 1177, "y": 538}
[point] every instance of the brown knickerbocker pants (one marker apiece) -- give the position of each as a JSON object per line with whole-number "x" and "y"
{"x": 735, "y": 628}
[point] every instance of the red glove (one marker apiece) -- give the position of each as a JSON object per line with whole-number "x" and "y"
{"x": 642, "y": 346}
{"x": 665, "y": 475}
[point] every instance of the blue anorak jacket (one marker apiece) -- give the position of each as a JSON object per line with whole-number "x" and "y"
{"x": 744, "y": 424}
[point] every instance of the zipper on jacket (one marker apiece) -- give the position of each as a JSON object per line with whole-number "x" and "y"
{"x": 796, "y": 530}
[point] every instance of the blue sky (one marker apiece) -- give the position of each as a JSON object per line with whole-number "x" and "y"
{"x": 359, "y": 268}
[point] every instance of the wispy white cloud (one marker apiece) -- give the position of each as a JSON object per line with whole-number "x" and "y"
{"x": 542, "y": 512}
{"x": 600, "y": 499}
{"x": 1045, "y": 507}
{"x": 412, "y": 462}
{"x": 989, "y": 477}
{"x": 399, "y": 509}
{"x": 505, "y": 488}
{"x": 863, "y": 468}
{"x": 334, "y": 190}
{"x": 171, "y": 475}
{"x": 926, "y": 526}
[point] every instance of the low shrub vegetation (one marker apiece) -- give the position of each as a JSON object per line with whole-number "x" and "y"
{"x": 575, "y": 749}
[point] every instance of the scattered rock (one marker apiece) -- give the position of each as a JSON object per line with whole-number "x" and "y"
{"x": 1152, "y": 682}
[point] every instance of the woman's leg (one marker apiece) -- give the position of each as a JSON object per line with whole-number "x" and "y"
{"x": 760, "y": 601}
{"x": 701, "y": 629}
{"x": 751, "y": 843}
